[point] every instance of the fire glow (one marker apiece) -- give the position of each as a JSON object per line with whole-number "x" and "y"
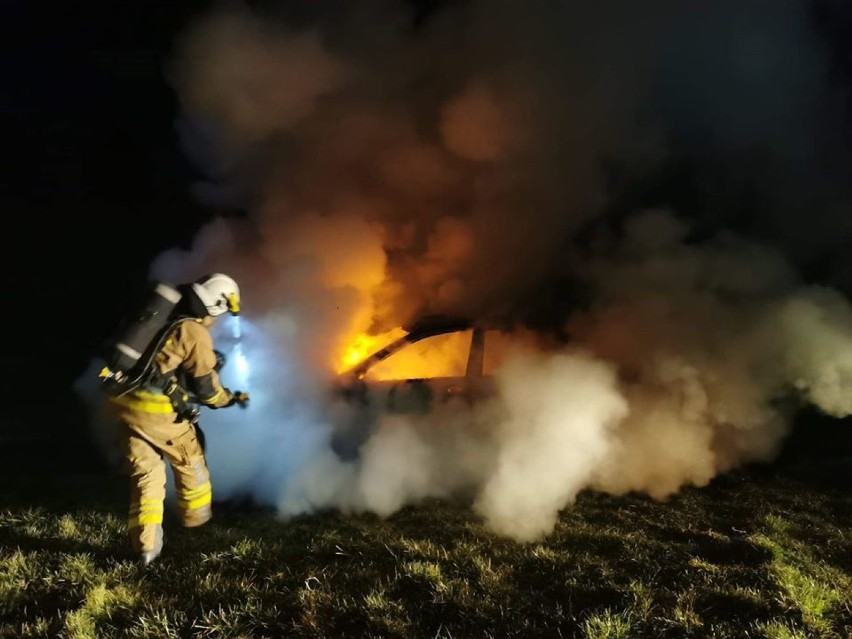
{"x": 436, "y": 356}
{"x": 363, "y": 345}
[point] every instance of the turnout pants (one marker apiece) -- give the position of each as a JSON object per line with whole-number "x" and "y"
{"x": 150, "y": 441}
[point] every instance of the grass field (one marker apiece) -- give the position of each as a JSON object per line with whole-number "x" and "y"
{"x": 765, "y": 553}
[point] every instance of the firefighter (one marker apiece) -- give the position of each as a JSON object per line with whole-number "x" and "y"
{"x": 157, "y": 422}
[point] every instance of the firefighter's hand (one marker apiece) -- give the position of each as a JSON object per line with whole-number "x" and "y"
{"x": 241, "y": 399}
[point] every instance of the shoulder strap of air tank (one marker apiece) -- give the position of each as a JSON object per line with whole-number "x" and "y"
{"x": 168, "y": 383}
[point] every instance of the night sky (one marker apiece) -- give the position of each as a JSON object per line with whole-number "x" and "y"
{"x": 88, "y": 125}
{"x": 92, "y": 186}
{"x": 94, "y": 183}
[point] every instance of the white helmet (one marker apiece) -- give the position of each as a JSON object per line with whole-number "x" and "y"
{"x": 219, "y": 293}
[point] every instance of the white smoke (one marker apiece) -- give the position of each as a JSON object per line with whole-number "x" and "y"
{"x": 389, "y": 174}
{"x": 562, "y": 411}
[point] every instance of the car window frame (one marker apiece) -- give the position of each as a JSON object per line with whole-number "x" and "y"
{"x": 473, "y": 364}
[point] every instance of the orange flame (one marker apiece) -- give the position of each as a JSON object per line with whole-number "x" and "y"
{"x": 363, "y": 345}
{"x": 437, "y": 356}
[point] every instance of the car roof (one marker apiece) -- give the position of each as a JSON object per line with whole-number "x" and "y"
{"x": 436, "y": 325}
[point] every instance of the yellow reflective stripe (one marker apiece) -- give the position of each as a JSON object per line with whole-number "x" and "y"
{"x": 197, "y": 497}
{"x": 144, "y": 407}
{"x": 145, "y": 518}
{"x": 215, "y": 398}
{"x": 146, "y": 402}
{"x": 149, "y": 396}
{"x": 189, "y": 495}
{"x": 198, "y": 503}
{"x": 148, "y": 511}
{"x": 195, "y": 492}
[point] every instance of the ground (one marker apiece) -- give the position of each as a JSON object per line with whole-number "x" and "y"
{"x": 762, "y": 552}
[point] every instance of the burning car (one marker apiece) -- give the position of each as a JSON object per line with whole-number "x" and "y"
{"x": 436, "y": 360}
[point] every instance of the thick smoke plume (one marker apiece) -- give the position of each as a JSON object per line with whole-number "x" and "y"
{"x": 475, "y": 165}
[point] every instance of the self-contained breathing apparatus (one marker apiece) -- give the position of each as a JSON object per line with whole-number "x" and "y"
{"x": 129, "y": 355}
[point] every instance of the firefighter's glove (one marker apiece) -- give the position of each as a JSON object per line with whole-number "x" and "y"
{"x": 239, "y": 398}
